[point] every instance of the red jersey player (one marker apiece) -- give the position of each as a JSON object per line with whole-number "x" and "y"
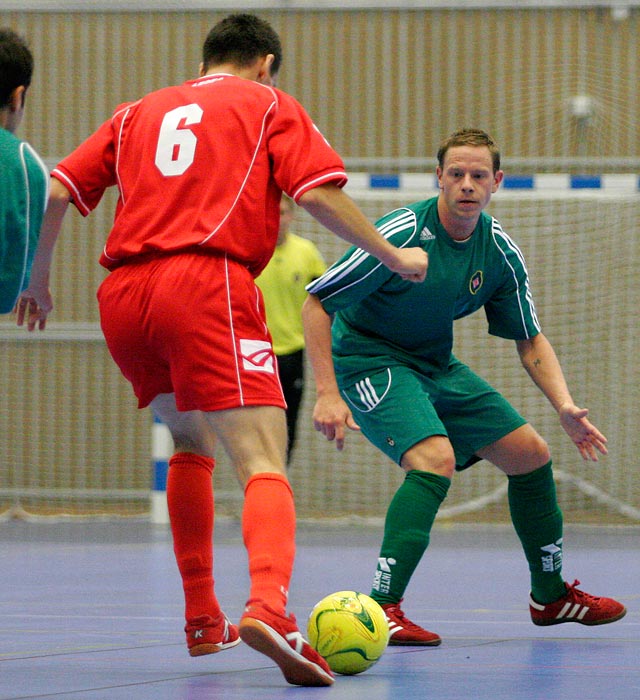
{"x": 200, "y": 169}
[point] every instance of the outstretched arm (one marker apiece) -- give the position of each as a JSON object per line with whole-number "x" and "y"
{"x": 335, "y": 210}
{"x": 331, "y": 414}
{"x": 539, "y": 359}
{"x": 35, "y": 303}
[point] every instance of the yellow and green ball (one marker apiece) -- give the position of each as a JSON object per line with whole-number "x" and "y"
{"x": 350, "y": 630}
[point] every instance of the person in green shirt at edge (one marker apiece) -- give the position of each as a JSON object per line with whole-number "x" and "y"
{"x": 24, "y": 185}
{"x": 385, "y": 366}
{"x": 296, "y": 261}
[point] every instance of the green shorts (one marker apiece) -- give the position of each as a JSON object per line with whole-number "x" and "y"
{"x": 397, "y": 407}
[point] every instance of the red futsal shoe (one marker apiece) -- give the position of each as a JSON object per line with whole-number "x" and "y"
{"x": 403, "y": 632}
{"x": 576, "y": 606}
{"x": 280, "y": 639}
{"x": 208, "y": 636}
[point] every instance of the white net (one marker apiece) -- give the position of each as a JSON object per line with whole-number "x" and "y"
{"x": 74, "y": 443}
{"x": 582, "y": 252}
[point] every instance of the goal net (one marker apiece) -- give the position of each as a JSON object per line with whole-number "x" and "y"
{"x": 582, "y": 254}
{"x": 74, "y": 442}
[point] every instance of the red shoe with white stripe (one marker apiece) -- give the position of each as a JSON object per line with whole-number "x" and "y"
{"x": 403, "y": 632}
{"x": 206, "y": 635}
{"x": 576, "y": 606}
{"x": 279, "y": 638}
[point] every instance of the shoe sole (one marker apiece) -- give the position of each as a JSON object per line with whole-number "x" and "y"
{"x": 296, "y": 669}
{"x": 589, "y": 623}
{"x": 399, "y": 643}
{"x": 204, "y": 649}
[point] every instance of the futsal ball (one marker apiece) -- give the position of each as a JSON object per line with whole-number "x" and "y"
{"x": 350, "y": 630}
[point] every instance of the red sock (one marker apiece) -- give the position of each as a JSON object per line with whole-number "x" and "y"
{"x": 268, "y": 528}
{"x": 191, "y": 506}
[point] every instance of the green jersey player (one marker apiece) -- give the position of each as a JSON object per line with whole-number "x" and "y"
{"x": 24, "y": 186}
{"x": 385, "y": 365}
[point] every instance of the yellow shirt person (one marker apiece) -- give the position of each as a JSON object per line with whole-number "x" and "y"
{"x": 295, "y": 262}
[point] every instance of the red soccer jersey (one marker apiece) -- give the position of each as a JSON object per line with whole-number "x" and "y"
{"x": 201, "y": 166}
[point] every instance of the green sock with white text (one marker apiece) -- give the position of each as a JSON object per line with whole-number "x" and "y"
{"x": 406, "y": 533}
{"x": 537, "y": 519}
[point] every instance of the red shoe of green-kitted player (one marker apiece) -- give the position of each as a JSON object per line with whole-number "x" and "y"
{"x": 576, "y": 606}
{"x": 403, "y": 632}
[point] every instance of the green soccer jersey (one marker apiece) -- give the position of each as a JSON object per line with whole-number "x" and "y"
{"x": 381, "y": 319}
{"x": 24, "y": 190}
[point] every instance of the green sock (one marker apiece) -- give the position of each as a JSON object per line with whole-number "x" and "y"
{"x": 537, "y": 519}
{"x": 406, "y": 532}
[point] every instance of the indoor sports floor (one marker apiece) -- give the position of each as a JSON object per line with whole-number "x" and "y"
{"x": 93, "y": 611}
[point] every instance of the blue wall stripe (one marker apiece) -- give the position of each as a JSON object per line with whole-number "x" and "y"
{"x": 384, "y": 181}
{"x": 582, "y": 182}
{"x": 379, "y": 181}
{"x": 518, "y": 182}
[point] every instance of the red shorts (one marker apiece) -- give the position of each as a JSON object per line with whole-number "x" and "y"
{"x": 191, "y": 324}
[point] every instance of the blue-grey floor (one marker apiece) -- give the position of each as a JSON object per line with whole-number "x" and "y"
{"x": 93, "y": 611}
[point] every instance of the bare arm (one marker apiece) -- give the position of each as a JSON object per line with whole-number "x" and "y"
{"x": 35, "y": 303}
{"x": 331, "y": 414}
{"x": 335, "y": 210}
{"x": 539, "y": 359}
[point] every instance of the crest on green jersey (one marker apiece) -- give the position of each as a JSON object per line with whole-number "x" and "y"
{"x": 476, "y": 282}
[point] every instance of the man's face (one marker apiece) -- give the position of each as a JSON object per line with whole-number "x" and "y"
{"x": 467, "y": 180}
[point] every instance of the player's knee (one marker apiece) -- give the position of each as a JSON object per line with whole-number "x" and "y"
{"x": 544, "y": 453}
{"x": 199, "y": 443}
{"x": 538, "y": 452}
{"x": 535, "y": 456}
{"x": 435, "y": 454}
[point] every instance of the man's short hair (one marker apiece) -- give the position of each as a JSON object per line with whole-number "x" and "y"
{"x": 470, "y": 137}
{"x": 16, "y": 64}
{"x": 241, "y": 39}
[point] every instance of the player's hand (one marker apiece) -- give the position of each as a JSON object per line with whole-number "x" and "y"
{"x": 586, "y": 437}
{"x": 33, "y": 307}
{"x": 411, "y": 264}
{"x": 331, "y": 416}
